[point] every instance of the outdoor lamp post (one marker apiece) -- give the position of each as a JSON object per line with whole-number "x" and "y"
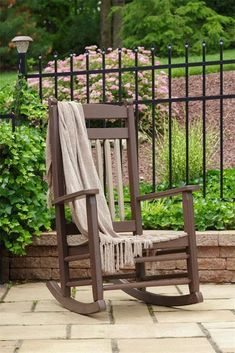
{"x": 22, "y": 44}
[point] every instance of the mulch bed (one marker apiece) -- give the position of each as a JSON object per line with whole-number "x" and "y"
{"x": 212, "y": 118}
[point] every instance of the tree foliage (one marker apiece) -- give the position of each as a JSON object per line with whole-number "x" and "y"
{"x": 225, "y": 7}
{"x": 161, "y": 22}
{"x": 54, "y": 25}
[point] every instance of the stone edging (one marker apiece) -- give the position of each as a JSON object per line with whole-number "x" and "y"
{"x": 216, "y": 258}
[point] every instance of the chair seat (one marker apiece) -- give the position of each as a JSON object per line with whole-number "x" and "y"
{"x": 160, "y": 235}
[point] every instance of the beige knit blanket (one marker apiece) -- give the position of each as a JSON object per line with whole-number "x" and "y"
{"x": 80, "y": 173}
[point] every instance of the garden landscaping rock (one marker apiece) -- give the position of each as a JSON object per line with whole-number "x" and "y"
{"x": 216, "y": 259}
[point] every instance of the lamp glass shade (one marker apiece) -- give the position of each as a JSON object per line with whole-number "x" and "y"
{"x": 22, "y": 47}
{"x": 22, "y": 43}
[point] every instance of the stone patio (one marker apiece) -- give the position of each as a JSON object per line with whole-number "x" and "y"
{"x": 33, "y": 322}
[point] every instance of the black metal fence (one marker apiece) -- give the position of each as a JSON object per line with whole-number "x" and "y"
{"x": 153, "y": 100}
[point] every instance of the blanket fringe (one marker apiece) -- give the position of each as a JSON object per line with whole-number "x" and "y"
{"x": 117, "y": 253}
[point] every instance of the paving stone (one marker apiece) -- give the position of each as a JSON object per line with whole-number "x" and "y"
{"x": 207, "y": 304}
{"x": 210, "y": 291}
{"x": 13, "y": 307}
{"x": 127, "y": 312}
{"x": 49, "y": 305}
{"x": 66, "y": 346}
{"x": 116, "y": 295}
{"x": 28, "y": 292}
{"x": 210, "y": 304}
{"x": 3, "y": 289}
{"x": 136, "y": 331}
{"x": 32, "y": 332}
{"x": 222, "y": 333}
{"x": 195, "y": 316}
{"x": 219, "y": 325}
{"x": 60, "y": 318}
{"x": 168, "y": 345}
{"x": 168, "y": 290}
{"x": 8, "y": 346}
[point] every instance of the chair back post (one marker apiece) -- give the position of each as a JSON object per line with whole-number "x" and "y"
{"x": 57, "y": 163}
{"x": 133, "y": 170}
{"x": 58, "y": 190}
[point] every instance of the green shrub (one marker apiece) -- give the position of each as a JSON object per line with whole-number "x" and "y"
{"x": 23, "y": 101}
{"x": 210, "y": 212}
{"x": 161, "y": 22}
{"x": 23, "y": 209}
{"x": 179, "y": 151}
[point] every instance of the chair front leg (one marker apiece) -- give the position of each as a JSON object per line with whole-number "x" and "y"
{"x": 189, "y": 227}
{"x": 94, "y": 248}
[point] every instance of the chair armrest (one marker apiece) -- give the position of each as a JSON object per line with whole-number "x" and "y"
{"x": 75, "y": 195}
{"x": 170, "y": 192}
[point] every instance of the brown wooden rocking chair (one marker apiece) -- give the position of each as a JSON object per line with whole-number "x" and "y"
{"x": 134, "y": 282}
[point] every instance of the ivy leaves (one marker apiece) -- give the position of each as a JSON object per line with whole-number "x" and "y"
{"x": 23, "y": 210}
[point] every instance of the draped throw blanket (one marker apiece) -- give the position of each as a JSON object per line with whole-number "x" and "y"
{"x": 80, "y": 173}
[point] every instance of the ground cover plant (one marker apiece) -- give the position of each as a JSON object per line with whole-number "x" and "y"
{"x": 210, "y": 212}
{"x": 178, "y": 146}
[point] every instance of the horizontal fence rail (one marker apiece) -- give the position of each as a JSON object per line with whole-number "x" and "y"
{"x": 152, "y": 100}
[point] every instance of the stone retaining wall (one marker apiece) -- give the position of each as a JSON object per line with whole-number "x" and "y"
{"x": 216, "y": 258}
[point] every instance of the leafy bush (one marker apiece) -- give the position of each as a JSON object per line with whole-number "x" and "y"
{"x": 23, "y": 209}
{"x": 24, "y": 102}
{"x": 178, "y": 140}
{"x": 210, "y": 212}
{"x": 161, "y": 22}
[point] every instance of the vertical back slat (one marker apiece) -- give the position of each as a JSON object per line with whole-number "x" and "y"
{"x": 117, "y": 157}
{"x": 109, "y": 177}
{"x": 99, "y": 162}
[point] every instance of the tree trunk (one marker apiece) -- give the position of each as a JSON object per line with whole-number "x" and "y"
{"x": 117, "y": 24}
{"x": 106, "y": 24}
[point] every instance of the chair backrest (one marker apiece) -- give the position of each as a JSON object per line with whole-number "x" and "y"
{"x": 110, "y": 144}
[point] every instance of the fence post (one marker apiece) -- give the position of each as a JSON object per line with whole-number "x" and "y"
{"x": 22, "y": 44}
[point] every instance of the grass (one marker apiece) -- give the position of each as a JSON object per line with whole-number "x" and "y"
{"x": 179, "y": 72}
{"x": 10, "y": 77}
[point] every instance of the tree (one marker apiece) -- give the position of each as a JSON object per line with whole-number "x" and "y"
{"x": 17, "y": 19}
{"x": 161, "y": 22}
{"x": 106, "y": 25}
{"x": 223, "y": 7}
{"x": 58, "y": 25}
{"x": 117, "y": 23}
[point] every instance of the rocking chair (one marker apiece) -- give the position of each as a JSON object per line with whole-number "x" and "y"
{"x": 166, "y": 248}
